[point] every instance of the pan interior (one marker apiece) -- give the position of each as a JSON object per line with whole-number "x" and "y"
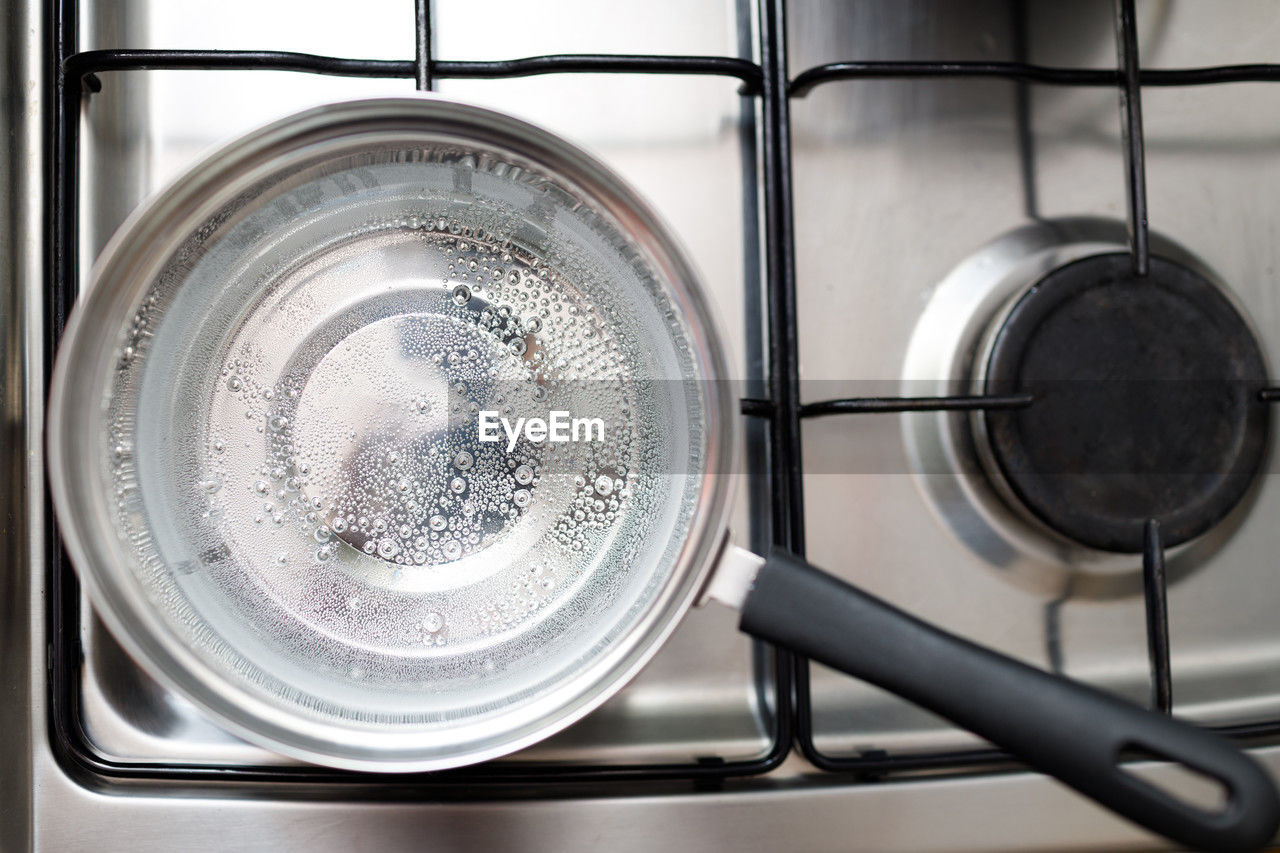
{"x": 291, "y": 436}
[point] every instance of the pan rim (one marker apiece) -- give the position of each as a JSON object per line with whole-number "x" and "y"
{"x": 119, "y": 276}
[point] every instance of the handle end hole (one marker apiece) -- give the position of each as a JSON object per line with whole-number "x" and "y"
{"x": 1174, "y": 779}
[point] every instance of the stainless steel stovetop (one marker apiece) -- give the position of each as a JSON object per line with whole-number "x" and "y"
{"x": 914, "y": 199}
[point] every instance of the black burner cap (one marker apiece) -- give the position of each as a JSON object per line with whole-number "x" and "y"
{"x": 1145, "y": 402}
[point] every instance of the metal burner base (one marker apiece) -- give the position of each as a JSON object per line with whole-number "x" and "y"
{"x": 949, "y": 454}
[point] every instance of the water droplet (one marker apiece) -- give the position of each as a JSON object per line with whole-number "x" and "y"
{"x": 234, "y": 383}
{"x": 524, "y": 475}
{"x": 339, "y": 524}
{"x": 457, "y": 485}
{"x": 604, "y": 485}
{"x": 521, "y": 498}
{"x": 438, "y": 522}
{"x": 262, "y": 487}
{"x": 433, "y": 623}
{"x": 463, "y": 460}
{"x": 534, "y": 324}
{"x": 461, "y": 295}
{"x": 453, "y": 549}
{"x": 387, "y": 548}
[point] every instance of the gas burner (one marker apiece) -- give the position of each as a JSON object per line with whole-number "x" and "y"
{"x": 1032, "y": 490}
{"x": 1145, "y": 402}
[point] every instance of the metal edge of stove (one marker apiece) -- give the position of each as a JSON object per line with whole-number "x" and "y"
{"x": 43, "y": 806}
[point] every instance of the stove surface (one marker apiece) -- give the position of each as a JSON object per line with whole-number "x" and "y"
{"x": 922, "y": 207}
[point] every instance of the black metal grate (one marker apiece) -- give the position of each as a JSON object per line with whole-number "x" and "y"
{"x": 1128, "y": 78}
{"x": 767, "y": 83}
{"x": 75, "y": 75}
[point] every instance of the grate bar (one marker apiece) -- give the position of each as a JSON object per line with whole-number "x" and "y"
{"x": 422, "y": 44}
{"x": 1157, "y": 607}
{"x": 91, "y": 62}
{"x": 1027, "y": 72}
{"x": 878, "y": 405}
{"x": 1135, "y": 168}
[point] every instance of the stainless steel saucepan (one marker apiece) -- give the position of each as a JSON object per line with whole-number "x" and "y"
{"x": 268, "y": 462}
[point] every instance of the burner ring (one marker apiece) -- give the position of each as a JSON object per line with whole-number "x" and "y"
{"x": 1145, "y": 405}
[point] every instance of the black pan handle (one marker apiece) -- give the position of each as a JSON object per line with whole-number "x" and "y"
{"x": 1055, "y": 725}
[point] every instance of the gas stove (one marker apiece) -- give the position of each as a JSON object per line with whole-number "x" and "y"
{"x": 902, "y": 212}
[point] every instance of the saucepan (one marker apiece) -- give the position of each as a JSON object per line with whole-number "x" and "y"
{"x": 397, "y": 435}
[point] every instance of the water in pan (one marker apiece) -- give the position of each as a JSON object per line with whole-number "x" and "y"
{"x": 372, "y": 440}
{"x": 307, "y": 495}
